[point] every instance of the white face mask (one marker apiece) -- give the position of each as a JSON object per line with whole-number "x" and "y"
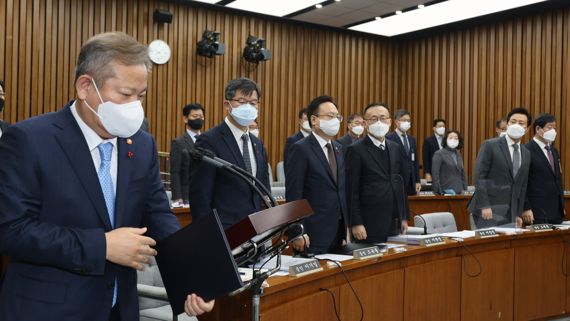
{"x": 358, "y": 130}
{"x": 549, "y": 135}
{"x": 306, "y": 127}
{"x": 440, "y": 131}
{"x": 330, "y": 127}
{"x": 452, "y": 143}
{"x": 405, "y": 125}
{"x": 515, "y": 131}
{"x": 379, "y": 129}
{"x": 122, "y": 120}
{"x": 254, "y": 132}
{"x": 244, "y": 114}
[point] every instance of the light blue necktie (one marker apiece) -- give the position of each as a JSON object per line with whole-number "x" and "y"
{"x": 104, "y": 173}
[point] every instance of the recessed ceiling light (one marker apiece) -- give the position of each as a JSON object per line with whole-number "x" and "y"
{"x": 377, "y": 17}
{"x": 318, "y": 6}
{"x": 274, "y": 7}
{"x": 337, "y": 0}
{"x": 421, "y": 6}
{"x": 399, "y": 12}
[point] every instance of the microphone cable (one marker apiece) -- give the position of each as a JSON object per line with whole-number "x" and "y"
{"x": 464, "y": 257}
{"x": 351, "y": 287}
{"x": 333, "y": 301}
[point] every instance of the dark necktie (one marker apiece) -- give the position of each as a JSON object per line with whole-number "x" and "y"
{"x": 332, "y": 160}
{"x": 245, "y": 148}
{"x": 382, "y": 147}
{"x": 550, "y": 157}
{"x": 406, "y": 143}
{"x": 516, "y": 159}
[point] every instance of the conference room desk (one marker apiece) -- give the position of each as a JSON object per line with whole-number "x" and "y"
{"x": 522, "y": 277}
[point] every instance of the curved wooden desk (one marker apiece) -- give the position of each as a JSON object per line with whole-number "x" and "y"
{"x": 522, "y": 278}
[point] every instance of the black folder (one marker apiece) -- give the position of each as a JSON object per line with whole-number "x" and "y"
{"x": 197, "y": 259}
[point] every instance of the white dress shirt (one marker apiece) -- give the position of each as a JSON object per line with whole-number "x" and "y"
{"x": 402, "y": 137}
{"x": 192, "y": 134}
{"x": 377, "y": 142}
{"x": 323, "y": 143}
{"x": 510, "y": 143}
{"x": 542, "y": 148}
{"x": 93, "y": 140}
{"x": 237, "y": 135}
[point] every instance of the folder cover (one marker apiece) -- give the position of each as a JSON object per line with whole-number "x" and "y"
{"x": 197, "y": 259}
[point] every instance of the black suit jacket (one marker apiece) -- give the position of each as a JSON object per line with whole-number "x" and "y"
{"x": 290, "y": 141}
{"x": 345, "y": 141}
{"x": 545, "y": 190}
{"x": 213, "y": 188}
{"x": 375, "y": 189}
{"x": 4, "y": 125}
{"x": 180, "y": 163}
{"x": 308, "y": 176}
{"x": 429, "y": 148}
{"x": 412, "y": 167}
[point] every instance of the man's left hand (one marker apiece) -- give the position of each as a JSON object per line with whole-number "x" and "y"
{"x": 195, "y": 305}
{"x": 418, "y": 188}
{"x": 404, "y": 227}
{"x": 528, "y": 217}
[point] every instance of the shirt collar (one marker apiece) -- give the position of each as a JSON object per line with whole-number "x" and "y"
{"x": 235, "y": 131}
{"x": 192, "y": 134}
{"x": 541, "y": 144}
{"x": 376, "y": 141}
{"x": 93, "y": 140}
{"x": 510, "y": 141}
{"x": 322, "y": 141}
{"x": 304, "y": 133}
{"x": 400, "y": 133}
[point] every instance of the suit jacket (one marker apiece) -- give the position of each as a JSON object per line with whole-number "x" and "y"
{"x": 53, "y": 218}
{"x": 290, "y": 141}
{"x": 429, "y": 148}
{"x": 495, "y": 185}
{"x": 3, "y": 125}
{"x": 345, "y": 141}
{"x": 308, "y": 176}
{"x": 180, "y": 163}
{"x": 412, "y": 167}
{"x": 448, "y": 173}
{"x": 545, "y": 188}
{"x": 214, "y": 188}
{"x": 375, "y": 190}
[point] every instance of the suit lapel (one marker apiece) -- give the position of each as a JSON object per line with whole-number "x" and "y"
{"x": 373, "y": 151}
{"x": 231, "y": 143}
{"x": 188, "y": 141}
{"x": 124, "y": 166}
{"x": 257, "y": 154}
{"x": 507, "y": 155}
{"x": 75, "y": 148}
{"x": 321, "y": 155}
{"x": 539, "y": 151}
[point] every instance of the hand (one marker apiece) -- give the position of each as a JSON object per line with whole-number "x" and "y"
{"x": 404, "y": 227}
{"x": 519, "y": 222}
{"x": 359, "y": 232}
{"x": 418, "y": 187}
{"x": 428, "y": 176}
{"x": 128, "y": 246}
{"x": 195, "y": 305}
{"x": 487, "y": 213}
{"x": 301, "y": 242}
{"x": 528, "y": 217}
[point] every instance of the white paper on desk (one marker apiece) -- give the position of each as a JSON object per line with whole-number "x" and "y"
{"x": 566, "y": 223}
{"x": 409, "y": 239}
{"x": 391, "y": 245}
{"x": 286, "y": 262}
{"x": 334, "y": 257}
{"x": 562, "y": 226}
{"x": 460, "y": 234}
{"x": 509, "y": 230}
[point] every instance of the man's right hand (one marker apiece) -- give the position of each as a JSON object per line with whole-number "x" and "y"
{"x": 299, "y": 243}
{"x": 359, "y": 232}
{"x": 487, "y": 213}
{"x": 128, "y": 246}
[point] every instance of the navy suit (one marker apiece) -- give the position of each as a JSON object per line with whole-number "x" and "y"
{"x": 375, "y": 189}
{"x": 345, "y": 141}
{"x": 53, "y": 218}
{"x": 213, "y": 188}
{"x": 545, "y": 190}
{"x": 412, "y": 167}
{"x": 429, "y": 148}
{"x": 308, "y": 176}
{"x": 290, "y": 141}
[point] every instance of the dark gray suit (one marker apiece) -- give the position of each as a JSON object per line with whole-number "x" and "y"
{"x": 180, "y": 163}
{"x": 447, "y": 172}
{"x": 345, "y": 141}
{"x": 495, "y": 185}
{"x": 3, "y": 125}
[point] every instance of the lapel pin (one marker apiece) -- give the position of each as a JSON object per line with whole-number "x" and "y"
{"x": 130, "y": 154}
{"x": 129, "y": 141}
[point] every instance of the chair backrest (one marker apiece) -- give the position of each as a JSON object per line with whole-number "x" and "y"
{"x": 440, "y": 222}
{"x": 150, "y": 276}
{"x": 280, "y": 172}
{"x": 270, "y": 170}
{"x": 472, "y": 222}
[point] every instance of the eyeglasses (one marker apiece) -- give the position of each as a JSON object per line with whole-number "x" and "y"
{"x": 374, "y": 119}
{"x": 242, "y": 101}
{"x": 331, "y": 116}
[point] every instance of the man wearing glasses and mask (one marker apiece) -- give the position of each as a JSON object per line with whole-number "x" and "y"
{"x": 213, "y": 188}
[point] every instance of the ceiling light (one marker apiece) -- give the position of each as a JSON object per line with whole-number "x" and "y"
{"x": 421, "y": 6}
{"x": 399, "y": 12}
{"x": 274, "y": 7}
{"x": 318, "y": 6}
{"x": 377, "y": 17}
{"x": 437, "y": 14}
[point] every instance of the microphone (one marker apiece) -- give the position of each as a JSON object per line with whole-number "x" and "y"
{"x": 208, "y": 156}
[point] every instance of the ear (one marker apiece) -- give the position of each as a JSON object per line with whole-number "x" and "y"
{"x": 313, "y": 120}
{"x": 82, "y": 86}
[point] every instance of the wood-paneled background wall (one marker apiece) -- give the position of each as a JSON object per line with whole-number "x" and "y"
{"x": 470, "y": 77}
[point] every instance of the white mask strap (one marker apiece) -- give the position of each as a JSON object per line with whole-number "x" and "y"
{"x": 97, "y": 90}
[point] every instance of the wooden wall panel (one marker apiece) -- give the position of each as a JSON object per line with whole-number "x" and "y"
{"x": 473, "y": 77}
{"x": 470, "y": 77}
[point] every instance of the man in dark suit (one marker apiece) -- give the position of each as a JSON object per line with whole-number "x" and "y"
{"x": 375, "y": 195}
{"x": 180, "y": 161}
{"x": 213, "y": 188}
{"x": 355, "y": 129}
{"x": 81, "y": 201}
{"x": 545, "y": 190}
{"x": 409, "y": 150}
{"x": 315, "y": 172}
{"x": 3, "y": 124}
{"x": 432, "y": 144}
{"x": 304, "y": 131}
{"x": 501, "y": 176}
